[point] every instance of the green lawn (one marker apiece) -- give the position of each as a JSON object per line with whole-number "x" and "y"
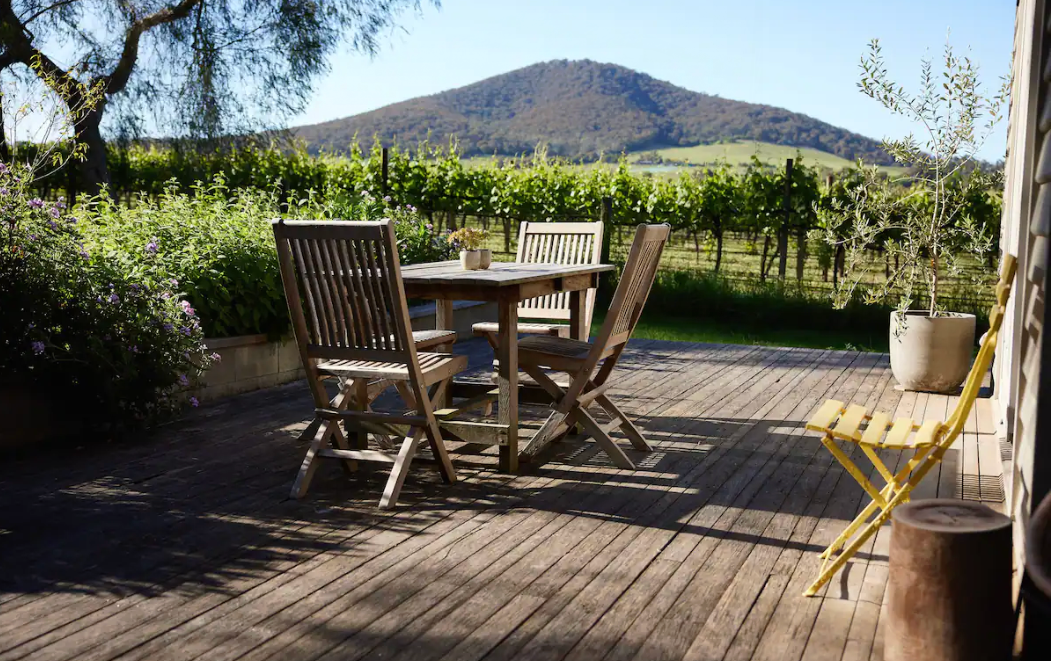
{"x": 658, "y": 327}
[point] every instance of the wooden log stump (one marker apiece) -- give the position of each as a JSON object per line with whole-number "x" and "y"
{"x": 949, "y": 585}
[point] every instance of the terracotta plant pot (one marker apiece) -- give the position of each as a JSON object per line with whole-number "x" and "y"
{"x": 931, "y": 354}
{"x": 473, "y": 260}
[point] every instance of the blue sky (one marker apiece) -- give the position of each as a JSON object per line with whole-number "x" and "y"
{"x": 799, "y": 55}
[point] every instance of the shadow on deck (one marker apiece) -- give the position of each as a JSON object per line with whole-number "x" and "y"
{"x": 184, "y": 544}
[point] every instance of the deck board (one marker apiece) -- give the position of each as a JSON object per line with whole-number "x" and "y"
{"x": 183, "y": 544}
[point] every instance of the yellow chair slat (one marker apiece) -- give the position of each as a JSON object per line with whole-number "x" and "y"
{"x": 874, "y": 432}
{"x": 928, "y": 434}
{"x": 899, "y": 433}
{"x": 849, "y": 423}
{"x": 825, "y": 416}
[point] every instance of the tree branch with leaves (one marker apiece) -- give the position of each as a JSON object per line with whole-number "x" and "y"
{"x": 199, "y": 69}
{"x": 926, "y": 225}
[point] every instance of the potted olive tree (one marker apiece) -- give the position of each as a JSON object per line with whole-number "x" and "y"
{"x": 917, "y": 230}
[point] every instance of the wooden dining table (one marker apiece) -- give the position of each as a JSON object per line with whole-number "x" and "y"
{"x": 507, "y": 284}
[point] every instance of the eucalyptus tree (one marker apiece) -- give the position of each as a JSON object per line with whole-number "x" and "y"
{"x": 183, "y": 68}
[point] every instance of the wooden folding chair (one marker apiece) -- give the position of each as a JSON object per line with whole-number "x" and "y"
{"x": 590, "y": 365}
{"x": 928, "y": 442}
{"x": 345, "y": 295}
{"x": 551, "y": 243}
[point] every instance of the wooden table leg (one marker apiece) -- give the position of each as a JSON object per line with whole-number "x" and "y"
{"x": 578, "y": 315}
{"x": 507, "y": 354}
{"x": 443, "y": 320}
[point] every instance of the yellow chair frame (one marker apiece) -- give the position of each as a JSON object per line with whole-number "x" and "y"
{"x": 928, "y": 441}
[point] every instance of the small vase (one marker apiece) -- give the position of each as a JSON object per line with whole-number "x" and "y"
{"x": 471, "y": 260}
{"x": 487, "y": 258}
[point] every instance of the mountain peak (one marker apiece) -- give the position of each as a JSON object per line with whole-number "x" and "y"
{"x": 579, "y": 108}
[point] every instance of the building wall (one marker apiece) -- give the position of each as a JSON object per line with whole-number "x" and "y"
{"x": 1015, "y": 239}
{"x": 1022, "y": 382}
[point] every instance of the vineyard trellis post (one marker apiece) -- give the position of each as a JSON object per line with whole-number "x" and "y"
{"x": 782, "y": 234}
{"x": 606, "y": 216}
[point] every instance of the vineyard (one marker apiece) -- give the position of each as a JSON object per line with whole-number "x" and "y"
{"x": 743, "y": 225}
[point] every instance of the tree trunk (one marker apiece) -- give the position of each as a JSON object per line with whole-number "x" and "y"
{"x": 696, "y": 247}
{"x": 837, "y": 260}
{"x": 5, "y": 151}
{"x": 782, "y": 251}
{"x": 762, "y": 260}
{"x": 94, "y": 173}
{"x": 800, "y": 254}
{"x": 718, "y": 247}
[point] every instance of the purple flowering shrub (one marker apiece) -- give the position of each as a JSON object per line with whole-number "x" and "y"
{"x": 215, "y": 241}
{"x": 119, "y": 342}
{"x": 218, "y": 243}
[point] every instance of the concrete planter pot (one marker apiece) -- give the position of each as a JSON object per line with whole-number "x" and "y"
{"x": 474, "y": 260}
{"x": 931, "y": 354}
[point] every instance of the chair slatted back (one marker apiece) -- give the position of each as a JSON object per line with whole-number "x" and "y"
{"x": 636, "y": 280}
{"x": 557, "y": 243}
{"x": 345, "y": 295}
{"x": 982, "y": 362}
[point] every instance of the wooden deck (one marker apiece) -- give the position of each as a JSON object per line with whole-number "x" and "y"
{"x": 183, "y": 544}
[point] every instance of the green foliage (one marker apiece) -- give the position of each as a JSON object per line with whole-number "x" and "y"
{"x": 216, "y": 242}
{"x": 928, "y": 228}
{"x": 769, "y": 310}
{"x": 418, "y": 243}
{"x": 214, "y": 68}
{"x": 120, "y": 343}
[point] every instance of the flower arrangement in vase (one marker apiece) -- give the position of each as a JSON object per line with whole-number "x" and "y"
{"x": 469, "y": 240}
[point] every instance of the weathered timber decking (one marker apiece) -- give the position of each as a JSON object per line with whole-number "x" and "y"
{"x": 184, "y": 545}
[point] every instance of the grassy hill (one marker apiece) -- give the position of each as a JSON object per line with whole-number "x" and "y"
{"x": 580, "y": 109}
{"x": 737, "y": 154}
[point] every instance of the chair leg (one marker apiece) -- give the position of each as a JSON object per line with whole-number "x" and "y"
{"x": 887, "y": 493}
{"x": 310, "y": 461}
{"x": 401, "y": 467}
{"x": 594, "y": 429}
{"x": 555, "y": 423}
{"x": 406, "y": 395}
{"x": 638, "y": 441}
{"x": 310, "y": 430}
{"x": 434, "y": 436}
{"x": 848, "y": 553}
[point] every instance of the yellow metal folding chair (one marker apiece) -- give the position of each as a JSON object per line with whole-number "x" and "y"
{"x": 873, "y": 431}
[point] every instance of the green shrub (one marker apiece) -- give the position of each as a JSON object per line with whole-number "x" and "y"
{"x": 217, "y": 243}
{"x": 417, "y": 241}
{"x": 752, "y": 304}
{"x": 119, "y": 343}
